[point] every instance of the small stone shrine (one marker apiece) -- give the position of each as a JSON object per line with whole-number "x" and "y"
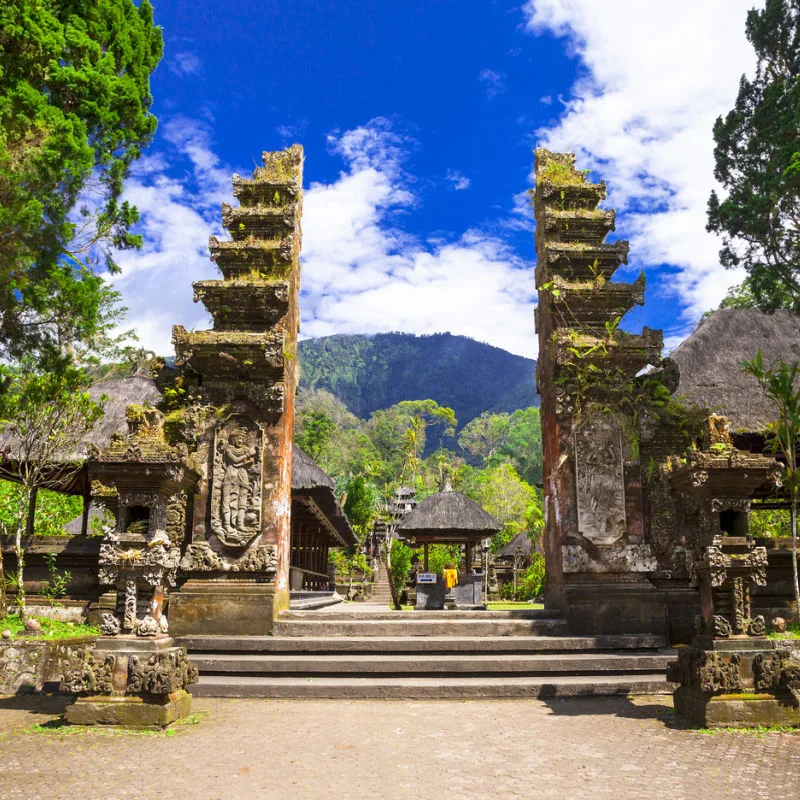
{"x": 732, "y": 674}
{"x": 135, "y": 675}
{"x": 240, "y": 378}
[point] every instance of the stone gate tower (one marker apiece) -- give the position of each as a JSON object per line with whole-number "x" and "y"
{"x": 241, "y": 378}
{"x": 597, "y": 557}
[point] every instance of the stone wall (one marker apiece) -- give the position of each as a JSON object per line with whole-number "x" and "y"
{"x": 30, "y": 664}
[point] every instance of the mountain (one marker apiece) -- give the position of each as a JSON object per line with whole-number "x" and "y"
{"x": 370, "y": 372}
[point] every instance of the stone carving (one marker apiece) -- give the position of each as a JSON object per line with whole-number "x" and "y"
{"x": 109, "y": 625}
{"x": 600, "y": 479}
{"x": 91, "y": 674}
{"x": 627, "y": 558}
{"x": 707, "y": 671}
{"x": 730, "y": 504}
{"x": 199, "y": 557}
{"x": 720, "y": 627}
{"x": 99, "y": 672}
{"x": 154, "y": 564}
{"x": 757, "y": 626}
{"x": 698, "y": 477}
{"x": 176, "y": 518}
{"x": 236, "y": 484}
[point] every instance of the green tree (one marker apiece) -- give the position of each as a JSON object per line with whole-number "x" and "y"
{"x": 757, "y": 158}
{"x": 509, "y": 499}
{"x": 74, "y": 116}
{"x": 44, "y": 416}
{"x": 313, "y": 432}
{"x": 361, "y": 504}
{"x": 779, "y": 382}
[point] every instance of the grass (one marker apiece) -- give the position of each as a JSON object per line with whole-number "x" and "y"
{"x": 511, "y": 605}
{"x": 496, "y": 605}
{"x": 51, "y": 628}
{"x": 792, "y": 632}
{"x": 61, "y": 727}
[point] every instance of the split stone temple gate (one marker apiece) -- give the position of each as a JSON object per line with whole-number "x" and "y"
{"x": 644, "y": 496}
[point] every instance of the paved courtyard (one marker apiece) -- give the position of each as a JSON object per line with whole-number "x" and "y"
{"x": 570, "y": 749}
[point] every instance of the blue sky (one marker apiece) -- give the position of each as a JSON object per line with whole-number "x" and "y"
{"x": 418, "y": 120}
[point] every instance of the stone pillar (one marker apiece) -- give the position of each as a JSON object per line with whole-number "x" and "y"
{"x": 597, "y": 558}
{"x": 243, "y": 375}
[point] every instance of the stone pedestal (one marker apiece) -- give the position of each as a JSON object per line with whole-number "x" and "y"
{"x": 226, "y": 607}
{"x": 156, "y": 711}
{"x": 430, "y": 596}
{"x": 468, "y": 592}
{"x": 738, "y": 682}
{"x": 129, "y": 681}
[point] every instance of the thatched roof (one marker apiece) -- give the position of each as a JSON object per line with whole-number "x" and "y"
{"x": 706, "y": 367}
{"x": 448, "y": 514}
{"x": 121, "y": 392}
{"x": 313, "y": 488}
{"x": 521, "y": 541}
{"x": 307, "y": 474}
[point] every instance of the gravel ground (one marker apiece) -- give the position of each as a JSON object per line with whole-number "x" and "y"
{"x": 561, "y": 749}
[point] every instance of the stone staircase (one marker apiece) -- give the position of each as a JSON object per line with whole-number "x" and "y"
{"x": 426, "y": 654}
{"x": 381, "y": 593}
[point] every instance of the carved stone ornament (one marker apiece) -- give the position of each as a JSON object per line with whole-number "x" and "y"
{"x": 199, "y": 557}
{"x": 698, "y": 478}
{"x": 236, "y": 483}
{"x": 720, "y": 627}
{"x": 741, "y": 504}
{"x": 600, "y": 479}
{"x": 708, "y": 671}
{"x": 160, "y": 673}
{"x": 757, "y": 626}
{"x": 626, "y": 559}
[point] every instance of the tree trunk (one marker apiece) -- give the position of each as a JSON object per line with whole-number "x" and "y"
{"x": 794, "y": 555}
{"x": 3, "y": 602}
{"x": 392, "y": 588}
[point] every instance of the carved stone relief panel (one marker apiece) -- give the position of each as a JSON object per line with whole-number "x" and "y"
{"x": 236, "y": 482}
{"x": 600, "y": 479}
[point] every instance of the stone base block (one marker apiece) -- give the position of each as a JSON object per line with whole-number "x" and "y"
{"x": 230, "y": 607}
{"x": 430, "y": 595}
{"x": 595, "y": 608}
{"x": 149, "y": 711}
{"x": 736, "y": 710}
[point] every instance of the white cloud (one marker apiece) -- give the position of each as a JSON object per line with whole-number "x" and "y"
{"x": 457, "y": 180}
{"x": 177, "y": 217}
{"x": 656, "y": 77}
{"x": 363, "y": 274}
{"x": 494, "y": 82}
{"x": 185, "y": 64}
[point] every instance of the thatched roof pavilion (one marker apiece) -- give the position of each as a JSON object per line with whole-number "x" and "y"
{"x": 706, "y": 367}
{"x": 448, "y": 516}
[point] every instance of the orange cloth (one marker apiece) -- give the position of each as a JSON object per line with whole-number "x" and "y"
{"x": 450, "y": 578}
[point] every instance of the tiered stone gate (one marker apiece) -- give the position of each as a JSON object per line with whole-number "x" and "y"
{"x": 598, "y": 559}
{"x": 242, "y": 410}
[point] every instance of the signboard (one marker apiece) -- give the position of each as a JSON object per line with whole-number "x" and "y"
{"x": 426, "y": 577}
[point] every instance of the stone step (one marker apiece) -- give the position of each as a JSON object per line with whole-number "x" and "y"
{"x": 361, "y": 614}
{"x": 438, "y": 688}
{"x": 394, "y": 665}
{"x": 322, "y": 626}
{"x": 429, "y": 645}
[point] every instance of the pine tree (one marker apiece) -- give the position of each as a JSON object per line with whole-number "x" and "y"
{"x": 74, "y": 116}
{"x": 757, "y": 158}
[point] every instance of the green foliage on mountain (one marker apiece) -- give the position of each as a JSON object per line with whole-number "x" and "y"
{"x": 368, "y": 373}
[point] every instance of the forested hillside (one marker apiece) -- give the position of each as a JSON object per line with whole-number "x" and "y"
{"x": 375, "y": 372}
